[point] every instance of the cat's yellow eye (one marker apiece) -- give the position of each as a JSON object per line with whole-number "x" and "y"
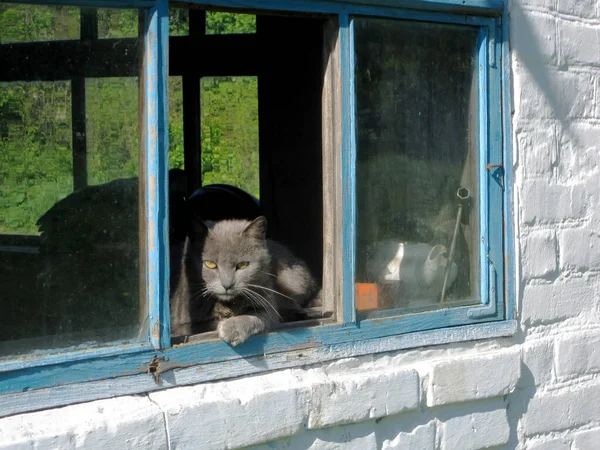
{"x": 210, "y": 264}
{"x": 242, "y": 265}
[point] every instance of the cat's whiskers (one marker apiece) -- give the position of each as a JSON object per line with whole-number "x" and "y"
{"x": 252, "y": 299}
{"x": 255, "y": 298}
{"x": 263, "y": 302}
{"x": 202, "y": 293}
{"x": 253, "y": 302}
{"x": 271, "y": 290}
{"x": 247, "y": 297}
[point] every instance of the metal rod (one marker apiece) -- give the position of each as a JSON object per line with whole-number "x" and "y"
{"x": 463, "y": 195}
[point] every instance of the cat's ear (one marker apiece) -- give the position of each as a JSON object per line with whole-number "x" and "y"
{"x": 257, "y": 228}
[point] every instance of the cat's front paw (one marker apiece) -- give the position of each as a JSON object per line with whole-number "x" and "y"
{"x": 235, "y": 330}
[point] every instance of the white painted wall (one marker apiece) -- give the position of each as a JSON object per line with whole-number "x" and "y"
{"x": 539, "y": 389}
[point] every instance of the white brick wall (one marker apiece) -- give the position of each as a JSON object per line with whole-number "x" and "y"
{"x": 538, "y": 390}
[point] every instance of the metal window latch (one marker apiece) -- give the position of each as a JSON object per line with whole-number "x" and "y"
{"x": 495, "y": 166}
{"x": 154, "y": 369}
{"x": 497, "y": 172}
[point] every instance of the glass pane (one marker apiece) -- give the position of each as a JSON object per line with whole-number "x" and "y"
{"x": 179, "y": 24}
{"x": 69, "y": 228}
{"x": 33, "y": 23}
{"x": 229, "y": 107}
{"x": 417, "y": 144}
{"x": 117, "y": 23}
{"x": 111, "y": 128}
{"x": 176, "y": 153}
{"x": 230, "y": 23}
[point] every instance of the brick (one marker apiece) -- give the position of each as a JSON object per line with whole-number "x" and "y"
{"x": 579, "y": 150}
{"x": 554, "y": 411}
{"x": 544, "y": 203}
{"x": 422, "y": 438}
{"x": 531, "y": 100}
{"x": 538, "y": 361}
{"x": 539, "y": 256}
{"x": 544, "y": 303}
{"x": 587, "y": 440}
{"x": 534, "y": 34}
{"x": 549, "y": 444}
{"x": 579, "y": 249}
{"x": 349, "y": 437}
{"x": 581, "y": 8}
{"x": 348, "y": 398}
{"x": 597, "y": 97}
{"x": 580, "y": 200}
{"x": 538, "y": 149}
{"x": 236, "y": 413}
{"x": 578, "y": 43}
{"x": 541, "y": 93}
{"x": 476, "y": 431}
{"x": 102, "y": 424}
{"x": 343, "y": 442}
{"x": 473, "y": 378}
{"x": 594, "y": 199}
{"x": 574, "y": 95}
{"x": 549, "y": 5}
{"x": 577, "y": 354}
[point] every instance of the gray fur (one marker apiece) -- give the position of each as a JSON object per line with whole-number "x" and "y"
{"x": 238, "y": 302}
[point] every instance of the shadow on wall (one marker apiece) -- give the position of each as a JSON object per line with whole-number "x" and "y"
{"x": 549, "y": 99}
{"x": 518, "y": 403}
{"x": 526, "y": 44}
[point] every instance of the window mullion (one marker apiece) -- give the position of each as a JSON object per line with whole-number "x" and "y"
{"x": 483, "y": 59}
{"x": 496, "y": 173}
{"x": 348, "y": 169}
{"x": 155, "y": 181}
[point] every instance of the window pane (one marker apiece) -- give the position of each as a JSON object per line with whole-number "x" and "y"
{"x": 111, "y": 128}
{"x": 230, "y": 23}
{"x": 33, "y": 23}
{"x": 176, "y": 154}
{"x": 417, "y": 176}
{"x": 117, "y": 23}
{"x": 179, "y": 24}
{"x": 229, "y": 108}
{"x": 69, "y": 229}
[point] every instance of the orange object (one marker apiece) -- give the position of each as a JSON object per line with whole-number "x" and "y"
{"x": 367, "y": 296}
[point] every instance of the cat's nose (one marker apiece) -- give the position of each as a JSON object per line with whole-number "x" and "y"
{"x": 227, "y": 285}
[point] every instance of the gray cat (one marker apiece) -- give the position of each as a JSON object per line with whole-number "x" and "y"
{"x": 238, "y": 282}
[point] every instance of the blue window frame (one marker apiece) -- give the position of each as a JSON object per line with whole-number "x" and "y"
{"x": 141, "y": 365}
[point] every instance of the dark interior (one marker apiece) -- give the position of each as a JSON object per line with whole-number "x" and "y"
{"x": 290, "y": 77}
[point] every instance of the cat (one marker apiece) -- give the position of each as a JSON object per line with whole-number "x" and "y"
{"x": 238, "y": 282}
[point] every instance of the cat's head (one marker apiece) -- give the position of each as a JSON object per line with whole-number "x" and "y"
{"x": 234, "y": 257}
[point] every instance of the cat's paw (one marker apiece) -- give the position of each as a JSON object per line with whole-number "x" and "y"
{"x": 234, "y": 330}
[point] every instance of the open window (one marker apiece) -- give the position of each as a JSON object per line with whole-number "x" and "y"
{"x": 253, "y": 116}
